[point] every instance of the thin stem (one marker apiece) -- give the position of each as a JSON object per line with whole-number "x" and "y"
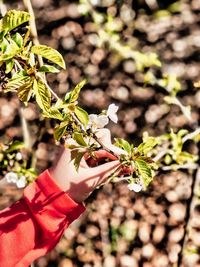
{"x": 3, "y": 8}
{"x": 94, "y": 137}
{"x": 48, "y": 87}
{"x": 191, "y": 166}
{"x": 33, "y": 28}
{"x": 191, "y": 135}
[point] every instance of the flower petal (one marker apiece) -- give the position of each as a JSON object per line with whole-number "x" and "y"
{"x": 135, "y": 187}
{"x": 11, "y": 177}
{"x": 21, "y": 183}
{"x": 111, "y": 112}
{"x": 101, "y": 121}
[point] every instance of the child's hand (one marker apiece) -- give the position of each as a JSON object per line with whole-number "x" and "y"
{"x": 79, "y": 185}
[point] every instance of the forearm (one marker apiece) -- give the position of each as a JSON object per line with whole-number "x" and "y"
{"x": 33, "y": 225}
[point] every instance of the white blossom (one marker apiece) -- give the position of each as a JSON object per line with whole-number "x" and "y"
{"x": 135, "y": 187}
{"x": 112, "y": 112}
{"x": 97, "y": 122}
{"x": 18, "y": 156}
{"x": 21, "y": 182}
{"x": 11, "y": 177}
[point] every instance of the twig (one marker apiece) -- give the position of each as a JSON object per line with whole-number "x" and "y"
{"x": 190, "y": 208}
{"x": 3, "y": 8}
{"x": 191, "y": 135}
{"x": 25, "y": 130}
{"x": 191, "y": 166}
{"x": 28, "y": 6}
{"x": 48, "y": 87}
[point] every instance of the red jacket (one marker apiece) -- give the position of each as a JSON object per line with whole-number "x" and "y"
{"x": 33, "y": 225}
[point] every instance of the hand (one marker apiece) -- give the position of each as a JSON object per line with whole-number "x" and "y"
{"x": 79, "y": 185}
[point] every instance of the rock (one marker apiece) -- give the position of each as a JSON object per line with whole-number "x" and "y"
{"x": 176, "y": 235}
{"x": 174, "y": 253}
{"x": 158, "y": 233}
{"x": 148, "y": 251}
{"x": 65, "y": 263}
{"x": 128, "y": 261}
{"x": 177, "y": 213}
{"x": 109, "y": 261}
{"x": 144, "y": 232}
{"x": 160, "y": 260}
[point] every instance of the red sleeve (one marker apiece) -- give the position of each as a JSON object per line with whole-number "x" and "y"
{"x": 33, "y": 225}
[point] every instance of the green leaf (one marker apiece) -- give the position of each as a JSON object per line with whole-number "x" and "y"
{"x": 16, "y": 145}
{"x": 49, "y": 53}
{"x": 4, "y": 45}
{"x": 78, "y": 137}
{"x": 18, "y": 79}
{"x": 48, "y": 68}
{"x": 18, "y": 39}
{"x": 144, "y": 171}
{"x": 43, "y": 96}
{"x": 82, "y": 115}
{"x": 123, "y": 144}
{"x": 12, "y": 20}
{"x": 74, "y": 94}
{"x": 25, "y": 91}
{"x": 77, "y": 159}
{"x": 9, "y": 66}
{"x": 146, "y": 146}
{"x": 12, "y": 50}
{"x": 53, "y": 113}
{"x": 60, "y": 130}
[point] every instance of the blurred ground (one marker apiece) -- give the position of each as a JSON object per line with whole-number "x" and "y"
{"x": 121, "y": 228}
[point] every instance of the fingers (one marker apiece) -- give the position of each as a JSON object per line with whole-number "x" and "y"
{"x": 102, "y": 172}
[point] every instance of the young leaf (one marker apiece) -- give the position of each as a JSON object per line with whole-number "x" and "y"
{"x": 18, "y": 39}
{"x": 60, "y": 130}
{"x": 74, "y": 94}
{"x": 48, "y": 68}
{"x": 16, "y": 145}
{"x": 4, "y": 45}
{"x": 12, "y": 50}
{"x": 12, "y": 20}
{"x": 144, "y": 170}
{"x": 9, "y": 66}
{"x": 18, "y": 79}
{"x": 123, "y": 144}
{"x": 25, "y": 91}
{"x": 82, "y": 115}
{"x": 49, "y": 53}
{"x": 146, "y": 146}
{"x": 77, "y": 159}
{"x": 53, "y": 113}
{"x": 43, "y": 96}
{"x": 78, "y": 137}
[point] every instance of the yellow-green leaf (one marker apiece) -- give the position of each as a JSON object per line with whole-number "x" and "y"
{"x": 18, "y": 79}
{"x": 123, "y": 144}
{"x": 82, "y": 115}
{"x": 77, "y": 159}
{"x": 42, "y": 94}
{"x": 12, "y": 20}
{"x": 144, "y": 170}
{"x": 53, "y": 113}
{"x": 74, "y": 94}
{"x": 60, "y": 130}
{"x": 78, "y": 137}
{"x": 49, "y": 53}
{"x": 146, "y": 146}
{"x": 25, "y": 91}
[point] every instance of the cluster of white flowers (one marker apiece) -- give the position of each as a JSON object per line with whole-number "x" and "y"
{"x": 100, "y": 121}
{"x": 12, "y": 177}
{"x": 135, "y": 187}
